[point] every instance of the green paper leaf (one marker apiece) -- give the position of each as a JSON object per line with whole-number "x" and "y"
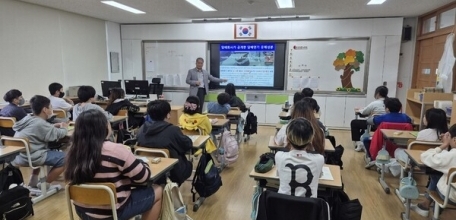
{"x": 356, "y": 69}
{"x": 341, "y": 56}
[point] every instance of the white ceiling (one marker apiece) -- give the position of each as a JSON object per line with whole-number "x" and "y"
{"x": 170, "y": 11}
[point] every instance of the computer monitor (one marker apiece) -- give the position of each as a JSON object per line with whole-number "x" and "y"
{"x": 156, "y": 80}
{"x": 156, "y": 89}
{"x": 106, "y": 86}
{"x": 137, "y": 88}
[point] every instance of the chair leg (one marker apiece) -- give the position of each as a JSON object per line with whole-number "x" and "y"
{"x": 436, "y": 211}
{"x": 44, "y": 192}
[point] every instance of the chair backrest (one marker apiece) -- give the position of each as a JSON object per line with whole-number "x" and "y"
{"x": 154, "y": 152}
{"x": 60, "y": 113}
{"x": 452, "y": 175}
{"x": 122, "y": 112}
{"x": 235, "y": 108}
{"x": 214, "y": 116}
{"x": 95, "y": 194}
{"x": 422, "y": 145}
{"x": 7, "y": 122}
{"x": 18, "y": 142}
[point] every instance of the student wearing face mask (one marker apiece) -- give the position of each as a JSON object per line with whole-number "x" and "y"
{"x": 13, "y": 109}
{"x": 39, "y": 133}
{"x": 57, "y": 98}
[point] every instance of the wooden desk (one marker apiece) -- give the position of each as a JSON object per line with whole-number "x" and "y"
{"x": 399, "y": 139}
{"x": 234, "y": 113}
{"x": 200, "y": 141}
{"x": 176, "y": 112}
{"x": 25, "y": 105}
{"x": 274, "y": 147}
{"x": 143, "y": 110}
{"x": 334, "y": 184}
{"x": 140, "y": 104}
{"x": 9, "y": 152}
{"x": 160, "y": 169}
{"x": 117, "y": 119}
{"x": 285, "y": 108}
{"x": 220, "y": 123}
{"x": 415, "y": 157}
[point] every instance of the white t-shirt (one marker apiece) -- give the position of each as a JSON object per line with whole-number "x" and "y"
{"x": 59, "y": 103}
{"x": 376, "y": 107}
{"x": 428, "y": 134}
{"x": 306, "y": 167}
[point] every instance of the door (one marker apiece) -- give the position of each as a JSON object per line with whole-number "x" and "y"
{"x": 430, "y": 53}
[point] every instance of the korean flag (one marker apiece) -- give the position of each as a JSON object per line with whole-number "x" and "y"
{"x": 245, "y": 31}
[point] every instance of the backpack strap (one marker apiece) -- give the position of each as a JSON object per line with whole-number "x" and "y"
{"x": 197, "y": 173}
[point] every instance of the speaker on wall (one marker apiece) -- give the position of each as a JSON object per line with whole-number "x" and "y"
{"x": 406, "y": 33}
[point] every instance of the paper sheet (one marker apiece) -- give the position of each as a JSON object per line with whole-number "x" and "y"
{"x": 176, "y": 80}
{"x": 326, "y": 174}
{"x": 150, "y": 66}
{"x": 169, "y": 80}
{"x": 313, "y": 83}
{"x": 296, "y": 83}
{"x": 193, "y": 137}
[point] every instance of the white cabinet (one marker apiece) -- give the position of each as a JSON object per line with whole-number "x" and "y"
{"x": 334, "y": 111}
{"x": 272, "y": 113}
{"x": 322, "y": 103}
{"x": 260, "y": 111}
{"x": 350, "y": 105}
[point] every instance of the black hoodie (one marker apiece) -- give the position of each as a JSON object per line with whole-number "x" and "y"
{"x": 161, "y": 134}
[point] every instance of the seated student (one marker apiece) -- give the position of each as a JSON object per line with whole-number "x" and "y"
{"x": 161, "y": 134}
{"x": 298, "y": 96}
{"x": 117, "y": 102}
{"x": 15, "y": 99}
{"x": 441, "y": 159}
{"x": 374, "y": 108}
{"x": 234, "y": 100}
{"x": 92, "y": 159}
{"x": 57, "y": 98}
{"x": 392, "y": 107}
{"x": 221, "y": 106}
{"x": 435, "y": 121}
{"x": 300, "y": 164}
{"x": 307, "y": 92}
{"x": 191, "y": 119}
{"x": 313, "y": 104}
{"x": 39, "y": 133}
{"x": 302, "y": 110}
{"x": 86, "y": 95}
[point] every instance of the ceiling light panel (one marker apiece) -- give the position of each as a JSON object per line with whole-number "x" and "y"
{"x": 201, "y": 5}
{"x": 123, "y": 7}
{"x": 285, "y": 3}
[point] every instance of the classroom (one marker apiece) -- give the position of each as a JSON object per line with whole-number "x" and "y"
{"x": 236, "y": 87}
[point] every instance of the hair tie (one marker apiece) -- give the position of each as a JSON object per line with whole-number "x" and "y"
{"x": 191, "y": 106}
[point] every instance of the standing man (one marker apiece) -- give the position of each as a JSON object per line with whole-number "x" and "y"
{"x": 198, "y": 79}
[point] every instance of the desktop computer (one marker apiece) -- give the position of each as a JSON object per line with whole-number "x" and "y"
{"x": 138, "y": 88}
{"x": 106, "y": 86}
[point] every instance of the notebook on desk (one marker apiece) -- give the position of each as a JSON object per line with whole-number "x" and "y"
{"x": 193, "y": 137}
{"x": 326, "y": 174}
{"x": 414, "y": 133}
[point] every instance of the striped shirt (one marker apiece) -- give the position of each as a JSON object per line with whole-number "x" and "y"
{"x": 118, "y": 166}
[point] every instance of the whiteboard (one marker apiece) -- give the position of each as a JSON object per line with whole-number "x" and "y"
{"x": 171, "y": 60}
{"x": 312, "y": 63}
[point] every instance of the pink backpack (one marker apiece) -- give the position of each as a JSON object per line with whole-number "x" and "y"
{"x": 230, "y": 148}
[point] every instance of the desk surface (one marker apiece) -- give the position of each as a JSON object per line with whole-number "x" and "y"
{"x": 234, "y": 113}
{"x": 220, "y": 123}
{"x": 272, "y": 145}
{"x": 200, "y": 141}
{"x": 9, "y": 150}
{"x": 143, "y": 110}
{"x": 389, "y": 133}
{"x": 116, "y": 119}
{"x": 415, "y": 156}
{"x": 335, "y": 172}
{"x": 165, "y": 165}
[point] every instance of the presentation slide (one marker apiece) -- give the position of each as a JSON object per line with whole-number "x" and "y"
{"x": 247, "y": 64}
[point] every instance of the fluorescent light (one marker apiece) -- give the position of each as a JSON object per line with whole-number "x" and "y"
{"x": 285, "y": 3}
{"x": 376, "y": 2}
{"x": 201, "y": 5}
{"x": 123, "y": 7}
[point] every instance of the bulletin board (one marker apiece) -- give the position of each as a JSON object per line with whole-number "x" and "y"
{"x": 328, "y": 65}
{"x": 171, "y": 60}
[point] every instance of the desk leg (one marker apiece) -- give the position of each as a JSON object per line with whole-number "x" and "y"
{"x": 382, "y": 174}
{"x": 406, "y": 215}
{"x": 198, "y": 203}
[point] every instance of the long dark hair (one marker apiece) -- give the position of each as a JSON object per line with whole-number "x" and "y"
{"x": 436, "y": 119}
{"x": 116, "y": 93}
{"x": 84, "y": 157}
{"x": 301, "y": 109}
{"x": 230, "y": 89}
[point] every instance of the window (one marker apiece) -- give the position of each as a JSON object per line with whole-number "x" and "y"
{"x": 429, "y": 24}
{"x": 447, "y": 18}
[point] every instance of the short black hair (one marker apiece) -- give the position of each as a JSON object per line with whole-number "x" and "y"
{"x": 11, "y": 95}
{"x": 223, "y": 98}
{"x": 393, "y": 104}
{"x": 158, "y": 110}
{"x": 382, "y": 91}
{"x": 298, "y": 96}
{"x": 85, "y": 93}
{"x": 307, "y": 92}
{"x": 312, "y": 103}
{"x": 38, "y": 102}
{"x": 199, "y": 58}
{"x": 54, "y": 87}
{"x": 230, "y": 89}
{"x": 192, "y": 100}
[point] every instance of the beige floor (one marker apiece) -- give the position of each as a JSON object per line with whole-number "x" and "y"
{"x": 233, "y": 200}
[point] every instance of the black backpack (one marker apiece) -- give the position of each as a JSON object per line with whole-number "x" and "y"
{"x": 251, "y": 124}
{"x": 15, "y": 203}
{"x": 335, "y": 158}
{"x": 206, "y": 183}
{"x": 344, "y": 208}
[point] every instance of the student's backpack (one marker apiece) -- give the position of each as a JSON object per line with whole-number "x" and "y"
{"x": 230, "y": 152}
{"x": 251, "y": 124}
{"x": 173, "y": 206}
{"x": 15, "y": 203}
{"x": 344, "y": 208}
{"x": 335, "y": 158}
{"x": 207, "y": 179}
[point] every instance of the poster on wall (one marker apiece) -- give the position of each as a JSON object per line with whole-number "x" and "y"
{"x": 114, "y": 57}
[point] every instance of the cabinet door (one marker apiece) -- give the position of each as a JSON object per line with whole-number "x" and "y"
{"x": 334, "y": 111}
{"x": 322, "y": 103}
{"x": 350, "y": 105}
{"x": 260, "y": 111}
{"x": 272, "y": 113}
